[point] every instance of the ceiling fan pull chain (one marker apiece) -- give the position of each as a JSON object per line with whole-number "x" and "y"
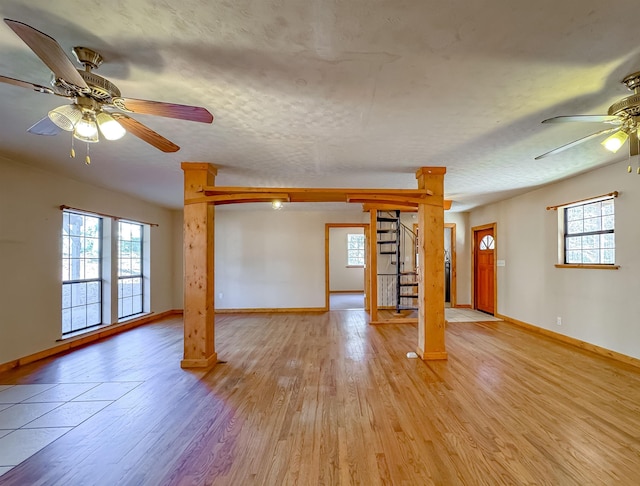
{"x": 72, "y": 154}
{"x": 87, "y": 159}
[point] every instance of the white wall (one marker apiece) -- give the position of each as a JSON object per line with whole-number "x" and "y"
{"x": 273, "y": 259}
{"x": 342, "y": 277}
{"x": 30, "y": 252}
{"x": 597, "y": 306}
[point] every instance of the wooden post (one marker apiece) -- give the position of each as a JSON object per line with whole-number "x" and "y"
{"x": 373, "y": 265}
{"x": 199, "y": 218}
{"x": 431, "y": 323}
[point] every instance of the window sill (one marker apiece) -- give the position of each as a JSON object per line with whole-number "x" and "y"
{"x": 354, "y": 266}
{"x": 592, "y": 267}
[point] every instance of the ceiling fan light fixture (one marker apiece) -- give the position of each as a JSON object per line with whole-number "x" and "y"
{"x": 86, "y": 129}
{"x": 613, "y": 142}
{"x": 109, "y": 126}
{"x": 66, "y": 116}
{"x": 276, "y": 204}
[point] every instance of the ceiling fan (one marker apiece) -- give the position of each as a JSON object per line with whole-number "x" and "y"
{"x": 624, "y": 115}
{"x": 97, "y": 105}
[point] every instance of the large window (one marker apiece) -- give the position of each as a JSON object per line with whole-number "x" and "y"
{"x": 589, "y": 237}
{"x": 355, "y": 249}
{"x": 130, "y": 279}
{"x": 81, "y": 271}
{"x": 105, "y": 270}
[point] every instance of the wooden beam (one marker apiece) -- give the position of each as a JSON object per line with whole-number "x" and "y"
{"x": 199, "y": 311}
{"x": 307, "y": 194}
{"x": 431, "y": 322}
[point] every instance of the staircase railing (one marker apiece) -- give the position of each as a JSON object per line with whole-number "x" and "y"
{"x": 396, "y": 240}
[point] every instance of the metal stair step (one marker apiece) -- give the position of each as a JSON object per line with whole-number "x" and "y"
{"x": 386, "y": 219}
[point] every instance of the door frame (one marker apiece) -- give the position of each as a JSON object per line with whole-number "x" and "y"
{"x": 367, "y": 275}
{"x": 474, "y": 230}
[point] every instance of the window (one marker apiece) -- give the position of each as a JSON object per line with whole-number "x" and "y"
{"x": 589, "y": 237}
{"x": 355, "y": 249}
{"x": 130, "y": 283}
{"x": 105, "y": 270}
{"x": 81, "y": 271}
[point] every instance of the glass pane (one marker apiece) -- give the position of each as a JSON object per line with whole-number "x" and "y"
{"x": 608, "y": 222}
{"x": 124, "y": 249}
{"x": 92, "y": 226}
{"x": 124, "y": 267}
{"x": 608, "y": 256}
{"x": 607, "y": 207}
{"x": 592, "y": 224}
{"x": 92, "y": 269}
{"x": 607, "y": 240}
{"x": 574, "y": 213}
{"x": 78, "y": 294}
{"x": 66, "y": 296}
{"x": 93, "y": 315}
{"x": 136, "y": 286}
{"x": 78, "y": 318}
{"x": 573, "y": 242}
{"x": 75, "y": 224}
{"x": 93, "y": 292}
{"x": 66, "y": 320}
{"x": 574, "y": 256}
{"x": 136, "y": 267}
{"x": 137, "y": 306}
{"x": 91, "y": 248}
{"x": 590, "y": 242}
{"x": 66, "y": 247}
{"x": 574, "y": 227}
{"x": 592, "y": 210}
{"x": 124, "y": 231}
{"x": 127, "y": 307}
{"x": 136, "y": 233}
{"x": 136, "y": 249}
{"x": 590, "y": 256}
{"x": 66, "y": 270}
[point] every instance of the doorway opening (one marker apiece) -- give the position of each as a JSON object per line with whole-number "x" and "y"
{"x": 345, "y": 266}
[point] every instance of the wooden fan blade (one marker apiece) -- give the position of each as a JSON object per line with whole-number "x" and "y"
{"x": 26, "y": 84}
{"x": 49, "y": 51}
{"x": 145, "y": 133}
{"x": 576, "y": 142}
{"x": 45, "y": 127}
{"x": 169, "y": 110}
{"x": 611, "y": 119}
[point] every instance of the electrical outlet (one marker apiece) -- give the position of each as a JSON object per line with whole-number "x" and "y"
{"x": 559, "y": 321}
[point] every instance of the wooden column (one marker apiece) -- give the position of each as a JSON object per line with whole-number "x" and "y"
{"x": 373, "y": 265}
{"x": 431, "y": 323}
{"x": 199, "y": 218}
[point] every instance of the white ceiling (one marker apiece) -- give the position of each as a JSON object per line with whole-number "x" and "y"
{"x": 320, "y": 93}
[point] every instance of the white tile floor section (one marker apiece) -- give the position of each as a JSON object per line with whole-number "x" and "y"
{"x": 33, "y": 416}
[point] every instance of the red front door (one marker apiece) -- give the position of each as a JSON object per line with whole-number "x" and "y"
{"x": 484, "y": 245}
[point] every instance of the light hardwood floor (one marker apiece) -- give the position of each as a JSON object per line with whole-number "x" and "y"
{"x": 327, "y": 399}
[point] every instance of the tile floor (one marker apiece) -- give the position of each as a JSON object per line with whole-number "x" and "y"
{"x": 33, "y": 416}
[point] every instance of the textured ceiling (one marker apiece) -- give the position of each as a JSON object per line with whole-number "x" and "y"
{"x": 321, "y": 93}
